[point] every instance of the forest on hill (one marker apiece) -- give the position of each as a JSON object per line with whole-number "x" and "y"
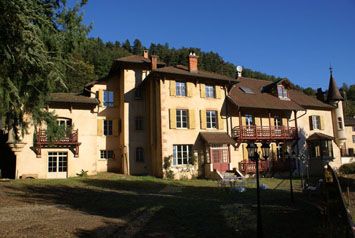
{"x": 98, "y": 57}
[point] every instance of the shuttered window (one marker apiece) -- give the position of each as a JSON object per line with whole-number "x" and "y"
{"x": 181, "y": 118}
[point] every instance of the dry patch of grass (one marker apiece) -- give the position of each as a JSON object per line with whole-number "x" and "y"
{"x": 111, "y": 205}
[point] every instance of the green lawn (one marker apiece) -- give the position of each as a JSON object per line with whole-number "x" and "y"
{"x": 168, "y": 208}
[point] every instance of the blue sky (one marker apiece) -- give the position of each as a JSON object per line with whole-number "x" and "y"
{"x": 293, "y": 39}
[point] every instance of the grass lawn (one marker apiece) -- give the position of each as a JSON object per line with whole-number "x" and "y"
{"x": 111, "y": 205}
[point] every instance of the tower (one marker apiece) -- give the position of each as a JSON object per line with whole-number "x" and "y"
{"x": 335, "y": 99}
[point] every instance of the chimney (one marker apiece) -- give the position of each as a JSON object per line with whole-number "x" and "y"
{"x": 145, "y": 54}
{"x": 154, "y": 62}
{"x": 320, "y": 95}
{"x": 193, "y": 60}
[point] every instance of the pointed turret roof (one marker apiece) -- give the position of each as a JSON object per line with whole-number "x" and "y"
{"x": 333, "y": 91}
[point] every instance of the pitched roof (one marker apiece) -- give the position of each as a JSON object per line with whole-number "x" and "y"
{"x": 333, "y": 91}
{"x": 137, "y": 59}
{"x": 349, "y": 121}
{"x": 184, "y": 71}
{"x": 319, "y": 136}
{"x": 72, "y": 98}
{"x": 271, "y": 85}
{"x": 216, "y": 138}
{"x": 258, "y": 99}
{"x": 307, "y": 101}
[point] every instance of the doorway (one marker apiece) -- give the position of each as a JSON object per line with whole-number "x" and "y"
{"x": 7, "y": 158}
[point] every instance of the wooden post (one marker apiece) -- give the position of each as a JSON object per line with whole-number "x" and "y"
{"x": 270, "y": 123}
{"x": 240, "y": 124}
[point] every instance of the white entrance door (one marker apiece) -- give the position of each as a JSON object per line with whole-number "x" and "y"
{"x": 57, "y": 164}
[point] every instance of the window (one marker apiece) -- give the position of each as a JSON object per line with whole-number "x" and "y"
{"x": 66, "y": 123}
{"x": 277, "y": 122}
{"x": 182, "y": 154}
{"x": 108, "y": 99}
{"x": 353, "y": 139}
{"x": 139, "y": 154}
{"x": 211, "y": 117}
{"x": 322, "y": 149}
{"x": 340, "y": 123}
{"x": 108, "y": 127}
{"x": 106, "y": 154}
{"x": 57, "y": 162}
{"x": 316, "y": 123}
{"x": 210, "y": 91}
{"x": 139, "y": 123}
{"x": 282, "y": 92}
{"x": 353, "y": 128}
{"x": 181, "y": 119}
{"x": 180, "y": 89}
{"x": 249, "y": 120}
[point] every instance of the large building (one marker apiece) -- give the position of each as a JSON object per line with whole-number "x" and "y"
{"x": 179, "y": 121}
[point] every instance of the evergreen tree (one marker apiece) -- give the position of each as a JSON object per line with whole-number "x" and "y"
{"x": 37, "y": 44}
{"x": 127, "y": 46}
{"x": 137, "y": 47}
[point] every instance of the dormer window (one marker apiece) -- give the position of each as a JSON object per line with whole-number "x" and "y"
{"x": 282, "y": 92}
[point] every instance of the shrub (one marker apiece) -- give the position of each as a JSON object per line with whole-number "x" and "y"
{"x": 347, "y": 168}
{"x": 83, "y": 173}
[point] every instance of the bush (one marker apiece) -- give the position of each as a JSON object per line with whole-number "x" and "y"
{"x": 83, "y": 173}
{"x": 347, "y": 168}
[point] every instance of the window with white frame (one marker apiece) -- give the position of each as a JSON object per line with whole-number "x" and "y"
{"x": 108, "y": 99}
{"x": 316, "y": 123}
{"x": 139, "y": 123}
{"x": 249, "y": 120}
{"x": 211, "y": 119}
{"x": 180, "y": 89}
{"x": 139, "y": 154}
{"x": 353, "y": 128}
{"x": 277, "y": 122}
{"x": 64, "y": 122}
{"x": 181, "y": 118}
{"x": 57, "y": 162}
{"x": 106, "y": 154}
{"x": 353, "y": 139}
{"x": 182, "y": 154}
{"x": 282, "y": 92}
{"x": 108, "y": 127}
{"x": 209, "y": 89}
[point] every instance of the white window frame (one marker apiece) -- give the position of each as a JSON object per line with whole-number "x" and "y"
{"x": 210, "y": 116}
{"x": 181, "y": 119}
{"x": 316, "y": 122}
{"x": 66, "y": 122}
{"x": 107, "y": 128}
{"x": 139, "y": 154}
{"x": 57, "y": 165}
{"x": 106, "y": 154}
{"x": 282, "y": 92}
{"x": 108, "y": 99}
{"x": 182, "y": 155}
{"x": 353, "y": 138}
{"x": 209, "y": 91}
{"x": 249, "y": 120}
{"x": 180, "y": 88}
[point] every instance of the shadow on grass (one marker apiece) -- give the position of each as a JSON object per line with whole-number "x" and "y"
{"x": 161, "y": 209}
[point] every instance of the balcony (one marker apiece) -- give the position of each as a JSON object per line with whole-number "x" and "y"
{"x": 259, "y": 133}
{"x": 69, "y": 141}
{"x": 249, "y": 167}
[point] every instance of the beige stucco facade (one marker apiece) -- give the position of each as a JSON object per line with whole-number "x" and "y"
{"x": 135, "y": 132}
{"x": 28, "y": 164}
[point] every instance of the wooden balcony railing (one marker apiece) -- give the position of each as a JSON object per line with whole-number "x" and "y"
{"x": 248, "y": 167}
{"x": 264, "y": 133}
{"x": 71, "y": 140}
